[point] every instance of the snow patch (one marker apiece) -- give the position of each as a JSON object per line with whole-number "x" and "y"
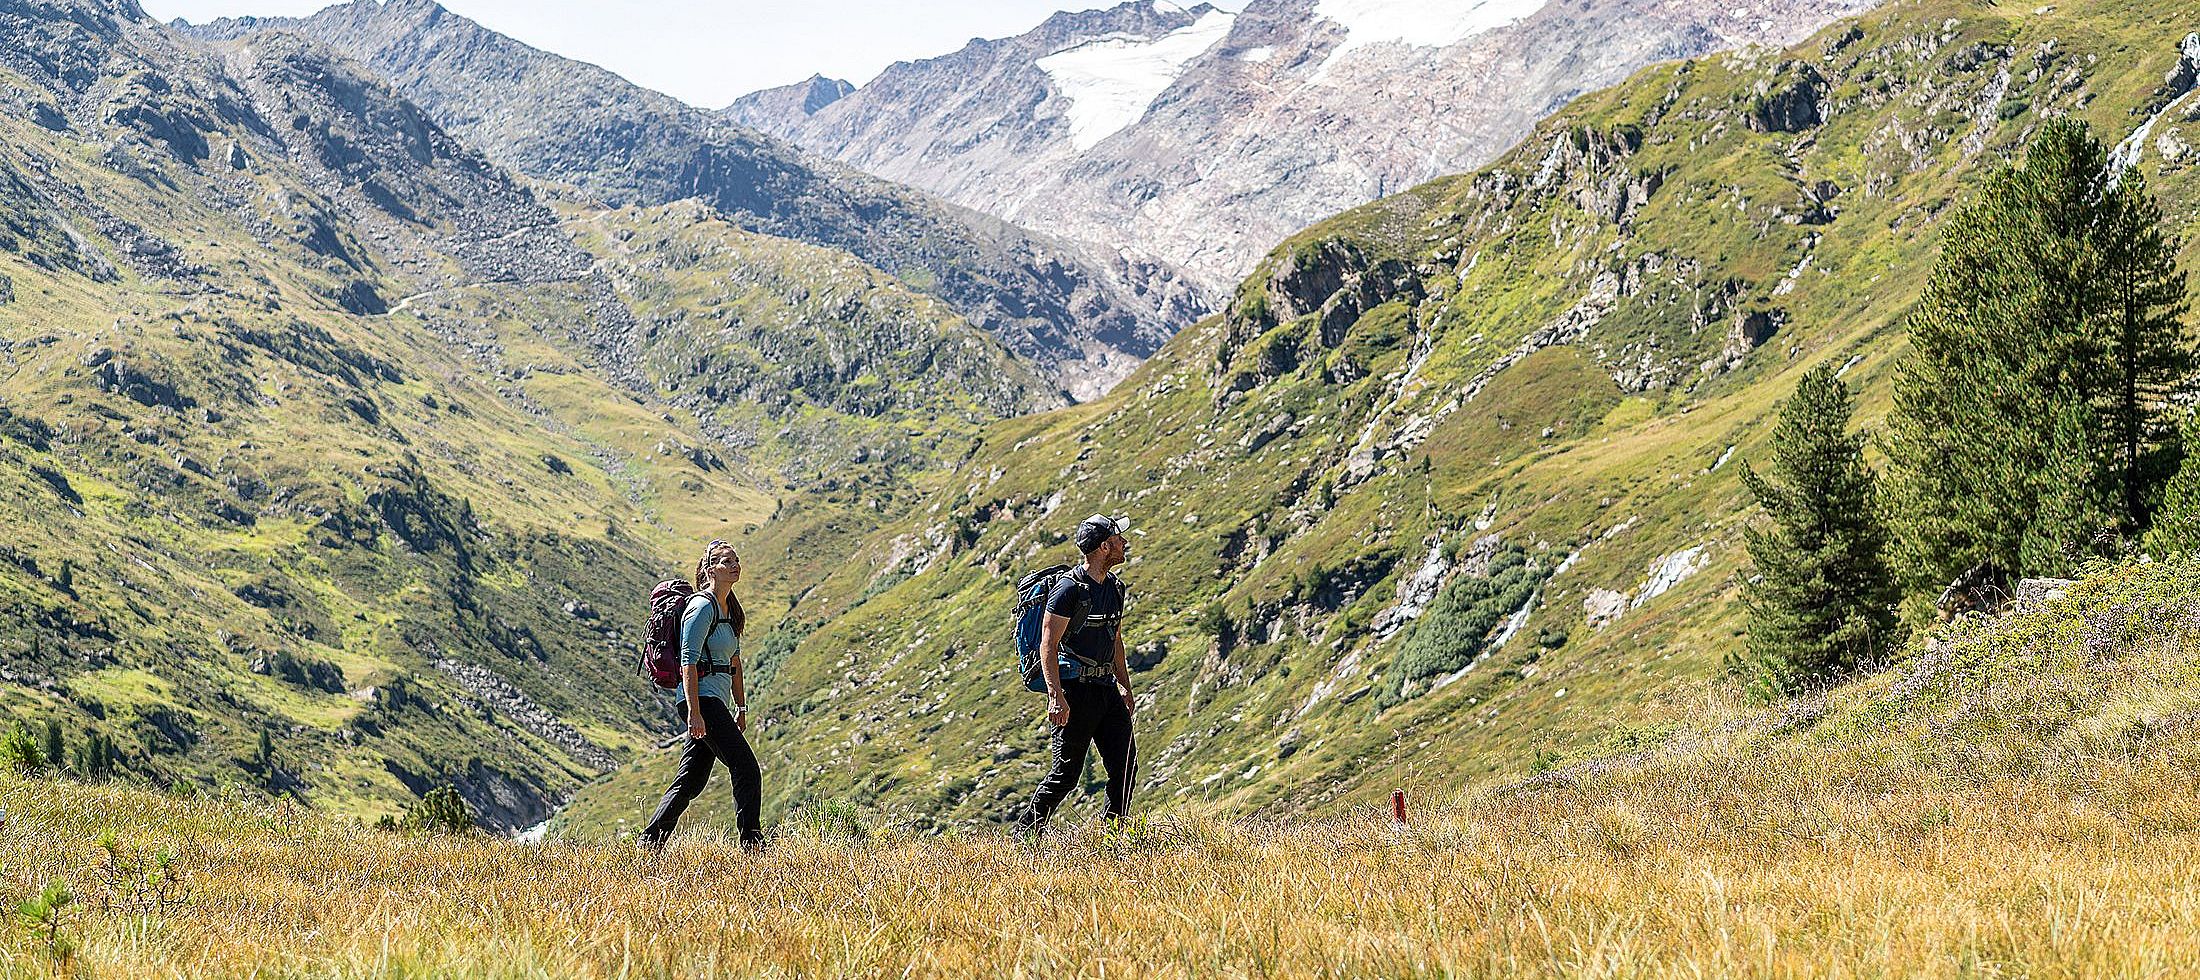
{"x": 1111, "y": 81}
{"x": 1419, "y": 23}
{"x": 1256, "y": 55}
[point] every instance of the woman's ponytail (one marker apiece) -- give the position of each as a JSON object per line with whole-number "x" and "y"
{"x": 733, "y": 602}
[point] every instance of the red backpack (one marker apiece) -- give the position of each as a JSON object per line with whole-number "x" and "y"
{"x": 661, "y": 648}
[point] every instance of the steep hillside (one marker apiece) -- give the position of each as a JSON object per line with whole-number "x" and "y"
{"x": 336, "y": 459}
{"x": 1203, "y": 136}
{"x": 1087, "y": 320}
{"x": 1504, "y": 407}
{"x": 2015, "y": 799}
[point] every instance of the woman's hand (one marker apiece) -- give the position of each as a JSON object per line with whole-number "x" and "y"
{"x": 695, "y": 725}
{"x": 741, "y": 717}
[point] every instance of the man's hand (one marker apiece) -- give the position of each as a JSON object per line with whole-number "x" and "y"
{"x": 695, "y": 725}
{"x": 1057, "y": 709}
{"x": 1130, "y": 701}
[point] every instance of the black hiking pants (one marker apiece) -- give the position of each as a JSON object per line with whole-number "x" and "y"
{"x": 1096, "y": 717}
{"x": 722, "y": 741}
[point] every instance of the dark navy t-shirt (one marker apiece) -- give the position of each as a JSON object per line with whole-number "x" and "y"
{"x": 1103, "y": 609}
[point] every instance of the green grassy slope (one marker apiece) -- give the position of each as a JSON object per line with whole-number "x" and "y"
{"x": 293, "y": 380}
{"x": 1562, "y": 357}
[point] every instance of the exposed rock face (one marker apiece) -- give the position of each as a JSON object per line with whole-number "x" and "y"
{"x": 2187, "y": 70}
{"x": 513, "y": 703}
{"x": 1790, "y": 104}
{"x": 1086, "y": 317}
{"x": 2035, "y": 593}
{"x": 1256, "y": 124}
{"x": 759, "y": 110}
{"x": 1667, "y": 572}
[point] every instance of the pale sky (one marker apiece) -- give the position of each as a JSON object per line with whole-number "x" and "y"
{"x": 709, "y": 53}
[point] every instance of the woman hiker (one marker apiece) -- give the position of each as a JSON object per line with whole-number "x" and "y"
{"x": 716, "y": 702}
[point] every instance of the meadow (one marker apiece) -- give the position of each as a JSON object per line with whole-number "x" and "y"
{"x": 2014, "y": 798}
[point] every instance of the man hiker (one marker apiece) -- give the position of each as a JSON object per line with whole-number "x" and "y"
{"x": 1088, "y": 684}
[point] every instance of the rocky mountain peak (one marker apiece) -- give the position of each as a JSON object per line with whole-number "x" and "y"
{"x": 803, "y": 98}
{"x": 1201, "y": 137}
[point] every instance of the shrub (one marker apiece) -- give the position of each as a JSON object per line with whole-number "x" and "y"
{"x": 19, "y": 752}
{"x": 43, "y": 914}
{"x": 833, "y": 819}
{"x": 1457, "y": 628}
{"x": 441, "y": 811}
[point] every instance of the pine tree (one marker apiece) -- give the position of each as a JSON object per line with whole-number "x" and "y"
{"x": 1823, "y": 602}
{"x": 2176, "y": 525}
{"x": 2143, "y": 323}
{"x": 96, "y": 757}
{"x": 2026, "y": 430}
{"x": 51, "y": 746}
{"x": 263, "y": 757}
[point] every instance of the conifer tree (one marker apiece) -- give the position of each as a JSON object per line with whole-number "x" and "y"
{"x": 2143, "y": 326}
{"x": 1822, "y": 602}
{"x": 2026, "y": 431}
{"x": 2176, "y": 525}
{"x": 51, "y": 745}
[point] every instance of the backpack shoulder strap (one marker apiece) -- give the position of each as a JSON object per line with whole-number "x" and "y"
{"x": 1078, "y": 580}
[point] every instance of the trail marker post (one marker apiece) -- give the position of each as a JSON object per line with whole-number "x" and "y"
{"x": 1398, "y": 806}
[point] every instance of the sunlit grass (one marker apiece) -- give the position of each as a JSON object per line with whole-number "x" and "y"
{"x": 2016, "y": 799}
{"x": 1730, "y": 870}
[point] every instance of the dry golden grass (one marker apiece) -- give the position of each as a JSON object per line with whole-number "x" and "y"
{"x": 2020, "y": 799}
{"x": 1731, "y": 871}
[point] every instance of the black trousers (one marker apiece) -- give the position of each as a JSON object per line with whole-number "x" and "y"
{"x": 722, "y": 741}
{"x": 1096, "y": 717}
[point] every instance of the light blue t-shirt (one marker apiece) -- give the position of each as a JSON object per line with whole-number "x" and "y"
{"x": 704, "y": 640}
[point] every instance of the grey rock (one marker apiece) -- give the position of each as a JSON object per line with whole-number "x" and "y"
{"x": 1790, "y": 102}
{"x": 2186, "y": 71}
{"x": 2034, "y": 594}
{"x": 767, "y": 109}
{"x": 1280, "y": 123}
{"x": 509, "y": 701}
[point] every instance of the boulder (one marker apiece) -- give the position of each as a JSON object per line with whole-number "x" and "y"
{"x": 2035, "y": 593}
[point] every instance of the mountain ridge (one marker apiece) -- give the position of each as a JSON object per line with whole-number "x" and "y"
{"x": 1276, "y": 124}
{"x": 1087, "y": 318}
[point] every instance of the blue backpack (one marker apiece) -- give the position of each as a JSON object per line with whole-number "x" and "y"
{"x": 1031, "y": 614}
